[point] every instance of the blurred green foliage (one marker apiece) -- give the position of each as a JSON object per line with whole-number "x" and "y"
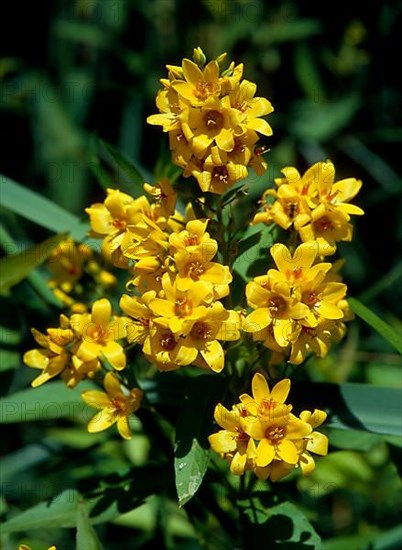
{"x": 88, "y": 70}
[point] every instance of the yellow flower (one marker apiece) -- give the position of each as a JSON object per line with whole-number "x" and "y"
{"x": 164, "y": 196}
{"x": 193, "y": 266}
{"x": 110, "y": 220}
{"x": 98, "y": 332}
{"x": 194, "y": 239}
{"x": 115, "y": 406}
{"x": 52, "y": 358}
{"x": 261, "y": 434}
{"x": 252, "y": 108}
{"x": 232, "y": 442}
{"x": 181, "y": 308}
{"x": 218, "y": 172}
{"x": 215, "y": 123}
{"x": 201, "y": 345}
{"x": 198, "y": 86}
{"x": 66, "y": 264}
{"x": 212, "y": 118}
{"x": 313, "y": 204}
{"x": 138, "y": 309}
{"x": 327, "y": 227}
{"x": 276, "y": 306}
{"x": 316, "y": 442}
{"x": 161, "y": 346}
{"x": 316, "y": 339}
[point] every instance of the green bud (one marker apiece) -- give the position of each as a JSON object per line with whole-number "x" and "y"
{"x": 199, "y": 57}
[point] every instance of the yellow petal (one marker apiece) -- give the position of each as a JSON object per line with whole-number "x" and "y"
{"x": 96, "y": 399}
{"x": 114, "y": 353}
{"x": 214, "y": 356}
{"x": 223, "y": 442}
{"x": 192, "y": 72}
{"x": 123, "y": 427}
{"x": 162, "y": 307}
{"x": 228, "y": 420}
{"x": 101, "y": 312}
{"x": 280, "y": 391}
{"x": 287, "y": 451}
{"x": 87, "y": 351}
{"x": 183, "y": 355}
{"x": 257, "y": 320}
{"x": 101, "y": 421}
{"x": 265, "y": 453}
{"x": 260, "y": 389}
{"x": 260, "y": 125}
{"x": 36, "y": 358}
{"x": 306, "y": 463}
{"x": 279, "y": 470}
{"x": 238, "y": 464}
{"x": 112, "y": 385}
{"x": 297, "y": 429}
{"x": 318, "y": 443}
{"x": 328, "y": 310}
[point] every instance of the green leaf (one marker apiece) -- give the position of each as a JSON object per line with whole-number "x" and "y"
{"x": 320, "y": 120}
{"x": 40, "y": 210}
{"x": 252, "y": 249}
{"x": 61, "y": 511}
{"x": 191, "y": 450}
{"x": 354, "y": 406}
{"x": 114, "y": 169}
{"x": 87, "y": 539}
{"x": 377, "y": 324}
{"x": 10, "y": 334}
{"x": 16, "y": 267}
{"x": 280, "y": 526}
{"x": 52, "y": 400}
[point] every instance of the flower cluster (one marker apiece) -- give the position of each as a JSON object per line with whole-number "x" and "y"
{"x": 76, "y": 348}
{"x": 313, "y": 204}
{"x": 213, "y": 121}
{"x": 298, "y": 307}
{"x": 68, "y": 264}
{"x": 184, "y": 322}
{"x": 261, "y": 433}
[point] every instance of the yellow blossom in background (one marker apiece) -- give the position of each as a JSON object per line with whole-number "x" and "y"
{"x": 262, "y": 434}
{"x": 26, "y": 547}
{"x": 115, "y": 406}
{"x": 314, "y": 204}
{"x": 213, "y": 119}
{"x": 98, "y": 333}
{"x": 51, "y": 358}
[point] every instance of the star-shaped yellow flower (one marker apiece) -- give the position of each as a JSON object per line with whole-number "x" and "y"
{"x": 115, "y": 406}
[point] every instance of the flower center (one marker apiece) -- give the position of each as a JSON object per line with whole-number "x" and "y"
{"x": 324, "y": 224}
{"x": 220, "y": 174}
{"x": 97, "y": 333}
{"x": 266, "y": 406}
{"x": 191, "y": 239}
{"x": 119, "y": 405}
{"x": 119, "y": 224}
{"x": 195, "y": 269}
{"x": 167, "y": 341}
{"x": 183, "y": 308}
{"x": 214, "y": 120}
{"x": 205, "y": 89}
{"x": 312, "y": 298}
{"x": 275, "y": 434}
{"x": 201, "y": 331}
{"x": 277, "y": 305}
